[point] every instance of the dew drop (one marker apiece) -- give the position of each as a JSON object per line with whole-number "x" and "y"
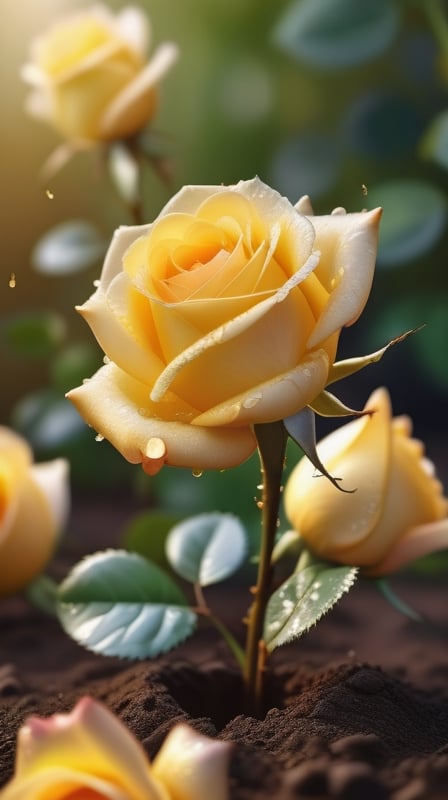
{"x": 260, "y": 504}
{"x": 197, "y": 473}
{"x": 252, "y": 401}
{"x": 260, "y": 487}
{"x": 99, "y": 437}
{"x": 106, "y": 360}
{"x": 12, "y": 280}
{"x": 364, "y": 189}
{"x": 96, "y": 283}
{"x": 49, "y": 194}
{"x": 314, "y": 596}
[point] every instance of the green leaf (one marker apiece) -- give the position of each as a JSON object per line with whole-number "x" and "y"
{"x": 146, "y": 534}
{"x": 207, "y": 548}
{"x": 414, "y": 218}
{"x": 435, "y": 141}
{"x": 74, "y": 363}
{"x": 349, "y": 366}
{"x": 124, "y": 170}
{"x": 396, "y": 602}
{"x": 333, "y": 34}
{"x": 119, "y": 604}
{"x": 68, "y": 248}
{"x": 307, "y": 164}
{"x": 303, "y": 599}
{"x": 289, "y": 544}
{"x": 47, "y": 420}
{"x": 34, "y": 334}
{"x": 328, "y": 405}
{"x": 42, "y": 593}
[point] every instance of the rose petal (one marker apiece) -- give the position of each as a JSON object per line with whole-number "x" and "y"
{"x": 52, "y": 478}
{"x": 419, "y": 541}
{"x": 348, "y": 246}
{"x": 90, "y": 741}
{"x": 332, "y": 521}
{"x": 230, "y": 330}
{"x": 193, "y": 767}
{"x": 29, "y": 536}
{"x": 58, "y": 782}
{"x": 276, "y": 399}
{"x": 109, "y": 318}
{"x": 133, "y": 26}
{"x": 118, "y": 407}
{"x": 133, "y": 106}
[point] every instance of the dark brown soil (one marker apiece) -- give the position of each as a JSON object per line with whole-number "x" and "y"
{"x": 358, "y": 708}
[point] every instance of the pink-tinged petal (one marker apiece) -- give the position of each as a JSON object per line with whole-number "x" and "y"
{"x": 193, "y": 767}
{"x": 348, "y": 246}
{"x": 418, "y": 542}
{"x": 90, "y": 741}
{"x": 229, "y": 330}
{"x": 118, "y": 407}
{"x": 276, "y": 399}
{"x": 133, "y": 106}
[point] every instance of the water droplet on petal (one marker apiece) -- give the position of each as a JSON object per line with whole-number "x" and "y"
{"x": 49, "y": 194}
{"x": 99, "y": 437}
{"x": 197, "y": 473}
{"x": 12, "y": 280}
{"x": 250, "y": 402}
{"x": 154, "y": 456}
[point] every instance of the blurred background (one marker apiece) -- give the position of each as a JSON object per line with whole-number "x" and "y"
{"x": 341, "y": 100}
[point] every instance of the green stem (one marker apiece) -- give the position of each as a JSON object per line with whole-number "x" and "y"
{"x": 203, "y": 608}
{"x": 435, "y": 13}
{"x": 271, "y": 440}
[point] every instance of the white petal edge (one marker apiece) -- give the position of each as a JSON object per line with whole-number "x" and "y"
{"x": 133, "y": 26}
{"x": 356, "y": 256}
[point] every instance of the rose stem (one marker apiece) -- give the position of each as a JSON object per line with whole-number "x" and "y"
{"x": 271, "y": 440}
{"x": 204, "y": 609}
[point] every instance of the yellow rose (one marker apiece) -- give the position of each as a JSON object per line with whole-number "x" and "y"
{"x": 223, "y": 313}
{"x": 33, "y": 508}
{"x": 398, "y": 511}
{"x": 89, "y": 754}
{"x": 89, "y": 74}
